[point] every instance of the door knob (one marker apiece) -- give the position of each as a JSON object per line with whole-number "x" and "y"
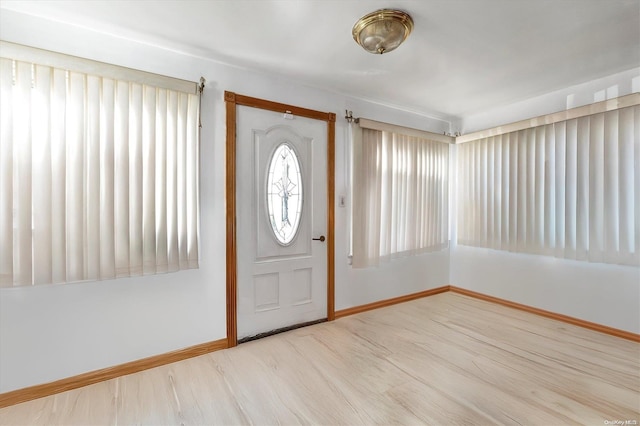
{"x": 321, "y": 239}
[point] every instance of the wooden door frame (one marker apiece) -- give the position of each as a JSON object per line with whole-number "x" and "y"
{"x": 232, "y": 101}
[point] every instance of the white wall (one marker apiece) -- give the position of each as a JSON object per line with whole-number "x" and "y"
{"x": 51, "y": 332}
{"x": 604, "y": 294}
{"x": 600, "y": 293}
{"x": 612, "y": 86}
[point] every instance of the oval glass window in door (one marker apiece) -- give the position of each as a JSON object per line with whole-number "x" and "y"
{"x": 284, "y": 193}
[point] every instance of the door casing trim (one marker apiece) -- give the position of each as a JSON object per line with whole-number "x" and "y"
{"x": 232, "y": 101}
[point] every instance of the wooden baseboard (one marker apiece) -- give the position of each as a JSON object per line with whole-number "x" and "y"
{"x": 559, "y": 317}
{"x": 46, "y": 389}
{"x": 389, "y": 302}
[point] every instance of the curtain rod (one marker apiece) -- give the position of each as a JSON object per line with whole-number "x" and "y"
{"x": 556, "y": 117}
{"x": 387, "y": 127}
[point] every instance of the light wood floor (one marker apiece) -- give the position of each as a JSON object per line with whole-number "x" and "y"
{"x": 445, "y": 359}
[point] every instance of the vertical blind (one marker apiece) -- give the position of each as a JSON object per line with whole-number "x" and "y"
{"x": 569, "y": 189}
{"x": 98, "y": 176}
{"x": 400, "y": 195}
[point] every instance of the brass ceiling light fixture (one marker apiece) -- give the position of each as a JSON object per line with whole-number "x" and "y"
{"x": 383, "y": 30}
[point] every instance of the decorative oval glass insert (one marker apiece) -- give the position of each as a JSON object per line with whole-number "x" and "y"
{"x": 284, "y": 193}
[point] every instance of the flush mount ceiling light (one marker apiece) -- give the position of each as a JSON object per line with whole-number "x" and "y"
{"x": 383, "y": 30}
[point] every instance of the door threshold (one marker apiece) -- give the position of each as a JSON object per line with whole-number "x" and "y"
{"x": 280, "y": 330}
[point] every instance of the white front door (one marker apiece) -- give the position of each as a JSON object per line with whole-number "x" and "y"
{"x": 281, "y": 193}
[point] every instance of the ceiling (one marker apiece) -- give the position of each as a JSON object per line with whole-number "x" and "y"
{"x": 462, "y": 57}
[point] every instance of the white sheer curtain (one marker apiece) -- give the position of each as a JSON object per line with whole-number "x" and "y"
{"x": 98, "y": 176}
{"x": 569, "y": 189}
{"x": 400, "y": 195}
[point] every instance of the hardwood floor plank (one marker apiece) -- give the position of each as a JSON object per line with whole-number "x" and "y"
{"x": 445, "y": 359}
{"x": 434, "y": 407}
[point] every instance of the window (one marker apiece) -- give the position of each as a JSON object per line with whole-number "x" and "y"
{"x": 400, "y": 195}
{"x": 284, "y": 194}
{"x": 569, "y": 189}
{"x": 99, "y": 173}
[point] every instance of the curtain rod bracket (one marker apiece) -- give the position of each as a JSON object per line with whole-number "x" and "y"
{"x": 200, "y": 90}
{"x": 349, "y": 116}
